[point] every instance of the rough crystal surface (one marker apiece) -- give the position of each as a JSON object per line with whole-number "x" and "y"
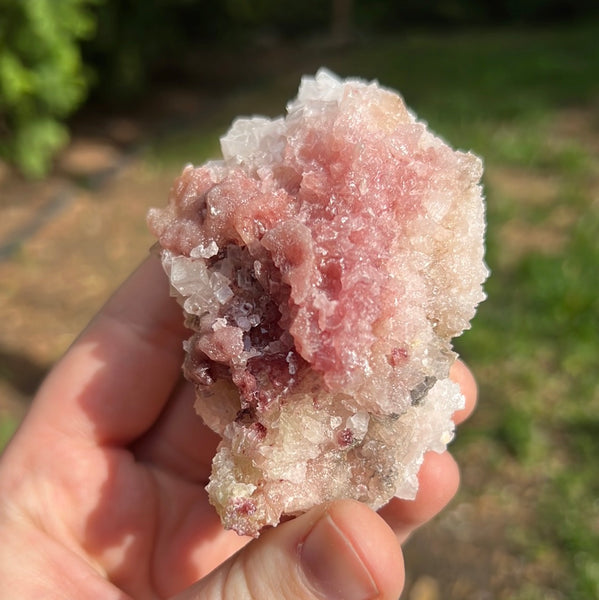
{"x": 323, "y": 265}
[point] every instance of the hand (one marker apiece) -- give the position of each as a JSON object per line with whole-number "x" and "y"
{"x": 102, "y": 487}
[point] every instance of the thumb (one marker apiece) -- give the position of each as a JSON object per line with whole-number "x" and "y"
{"x": 340, "y": 551}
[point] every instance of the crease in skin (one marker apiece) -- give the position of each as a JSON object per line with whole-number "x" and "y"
{"x": 333, "y": 566}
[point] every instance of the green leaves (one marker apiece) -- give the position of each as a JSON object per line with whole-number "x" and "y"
{"x": 42, "y": 77}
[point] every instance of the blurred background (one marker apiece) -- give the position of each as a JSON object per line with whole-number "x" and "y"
{"x": 103, "y": 101}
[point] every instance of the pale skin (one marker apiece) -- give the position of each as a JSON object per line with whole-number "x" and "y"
{"x": 102, "y": 487}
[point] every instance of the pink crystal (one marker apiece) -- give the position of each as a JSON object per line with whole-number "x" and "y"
{"x": 323, "y": 265}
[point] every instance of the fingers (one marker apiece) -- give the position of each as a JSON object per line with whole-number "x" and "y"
{"x": 179, "y": 441}
{"x": 439, "y": 475}
{"x": 114, "y": 381}
{"x": 343, "y": 551}
{"x": 439, "y": 479}
{"x": 462, "y": 375}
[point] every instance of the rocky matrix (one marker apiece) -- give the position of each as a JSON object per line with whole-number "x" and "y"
{"x": 323, "y": 265}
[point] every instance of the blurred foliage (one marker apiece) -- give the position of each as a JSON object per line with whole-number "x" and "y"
{"x": 42, "y": 76}
{"x": 386, "y": 14}
{"x": 125, "y": 43}
{"x": 288, "y": 17}
{"x": 134, "y": 38}
{"x": 138, "y": 38}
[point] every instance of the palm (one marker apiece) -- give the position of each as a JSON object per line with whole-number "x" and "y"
{"x": 144, "y": 523}
{"x": 131, "y": 459}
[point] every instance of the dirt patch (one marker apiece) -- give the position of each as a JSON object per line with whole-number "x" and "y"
{"x": 523, "y": 185}
{"x": 543, "y": 218}
{"x": 580, "y": 124}
{"x": 86, "y": 157}
{"x": 60, "y": 268}
{"x": 473, "y": 550}
{"x": 522, "y": 238}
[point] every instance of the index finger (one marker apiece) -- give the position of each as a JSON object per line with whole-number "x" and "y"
{"x": 114, "y": 381}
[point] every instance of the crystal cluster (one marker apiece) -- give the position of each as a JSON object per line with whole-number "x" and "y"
{"x": 323, "y": 266}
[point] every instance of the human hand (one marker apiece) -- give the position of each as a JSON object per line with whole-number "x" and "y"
{"x": 102, "y": 487}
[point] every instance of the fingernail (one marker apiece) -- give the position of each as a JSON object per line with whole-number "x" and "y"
{"x": 332, "y": 565}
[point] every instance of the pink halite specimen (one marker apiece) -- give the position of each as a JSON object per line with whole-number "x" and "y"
{"x": 324, "y": 266}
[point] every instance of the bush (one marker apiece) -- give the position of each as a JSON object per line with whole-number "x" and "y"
{"x": 42, "y": 77}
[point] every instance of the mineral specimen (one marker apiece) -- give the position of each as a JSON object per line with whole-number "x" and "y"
{"x": 323, "y": 265}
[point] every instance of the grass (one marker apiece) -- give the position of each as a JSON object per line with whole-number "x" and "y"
{"x": 525, "y": 100}
{"x": 7, "y": 428}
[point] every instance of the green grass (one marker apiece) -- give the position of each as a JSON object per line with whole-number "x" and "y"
{"x": 173, "y": 150}
{"x": 7, "y": 428}
{"x": 534, "y": 344}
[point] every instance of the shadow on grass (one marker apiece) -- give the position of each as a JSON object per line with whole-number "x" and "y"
{"x": 21, "y": 372}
